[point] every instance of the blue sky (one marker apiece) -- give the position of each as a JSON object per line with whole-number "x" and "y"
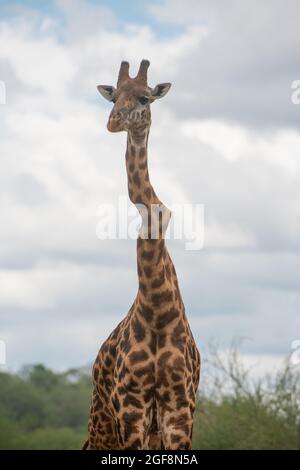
{"x": 125, "y": 11}
{"x": 225, "y": 136}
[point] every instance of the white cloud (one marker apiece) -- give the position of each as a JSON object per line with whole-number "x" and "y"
{"x": 244, "y": 67}
{"x": 280, "y": 147}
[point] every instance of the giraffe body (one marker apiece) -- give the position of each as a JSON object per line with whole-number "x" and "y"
{"x": 146, "y": 373}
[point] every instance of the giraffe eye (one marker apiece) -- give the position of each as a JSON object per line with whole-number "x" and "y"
{"x": 143, "y": 99}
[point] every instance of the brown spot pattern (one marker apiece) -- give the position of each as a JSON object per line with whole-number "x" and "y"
{"x": 146, "y": 373}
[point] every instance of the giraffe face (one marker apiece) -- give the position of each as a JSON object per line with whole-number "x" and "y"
{"x": 132, "y": 99}
{"x": 131, "y": 107}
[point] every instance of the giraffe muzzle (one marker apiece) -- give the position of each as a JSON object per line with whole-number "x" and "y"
{"x": 116, "y": 122}
{"x": 114, "y": 125}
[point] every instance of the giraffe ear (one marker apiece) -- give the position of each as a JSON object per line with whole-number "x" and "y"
{"x": 108, "y": 92}
{"x": 160, "y": 90}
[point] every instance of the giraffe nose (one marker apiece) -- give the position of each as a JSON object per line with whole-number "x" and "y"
{"x": 118, "y": 115}
{"x": 115, "y": 122}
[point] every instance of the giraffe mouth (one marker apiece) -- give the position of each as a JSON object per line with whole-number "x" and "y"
{"x": 114, "y": 125}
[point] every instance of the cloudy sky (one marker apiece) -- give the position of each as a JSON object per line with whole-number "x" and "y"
{"x": 226, "y": 136}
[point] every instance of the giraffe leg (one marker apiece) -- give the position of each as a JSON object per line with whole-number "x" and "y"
{"x": 177, "y": 429}
{"x": 132, "y": 428}
{"x": 102, "y": 433}
{"x": 155, "y": 435}
{"x": 155, "y": 441}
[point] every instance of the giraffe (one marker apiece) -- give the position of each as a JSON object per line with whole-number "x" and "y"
{"x": 147, "y": 372}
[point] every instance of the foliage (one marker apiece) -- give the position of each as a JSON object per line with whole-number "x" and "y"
{"x": 243, "y": 413}
{"x": 42, "y": 409}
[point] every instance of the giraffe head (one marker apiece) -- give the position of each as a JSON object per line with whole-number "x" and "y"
{"x": 132, "y": 99}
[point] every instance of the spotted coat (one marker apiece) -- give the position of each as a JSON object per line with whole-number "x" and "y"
{"x": 146, "y": 374}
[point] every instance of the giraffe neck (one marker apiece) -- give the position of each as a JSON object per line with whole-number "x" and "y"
{"x": 140, "y": 188}
{"x": 156, "y": 272}
{"x": 155, "y": 215}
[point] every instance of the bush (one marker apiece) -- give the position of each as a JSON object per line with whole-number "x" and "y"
{"x": 42, "y": 409}
{"x": 240, "y": 413}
